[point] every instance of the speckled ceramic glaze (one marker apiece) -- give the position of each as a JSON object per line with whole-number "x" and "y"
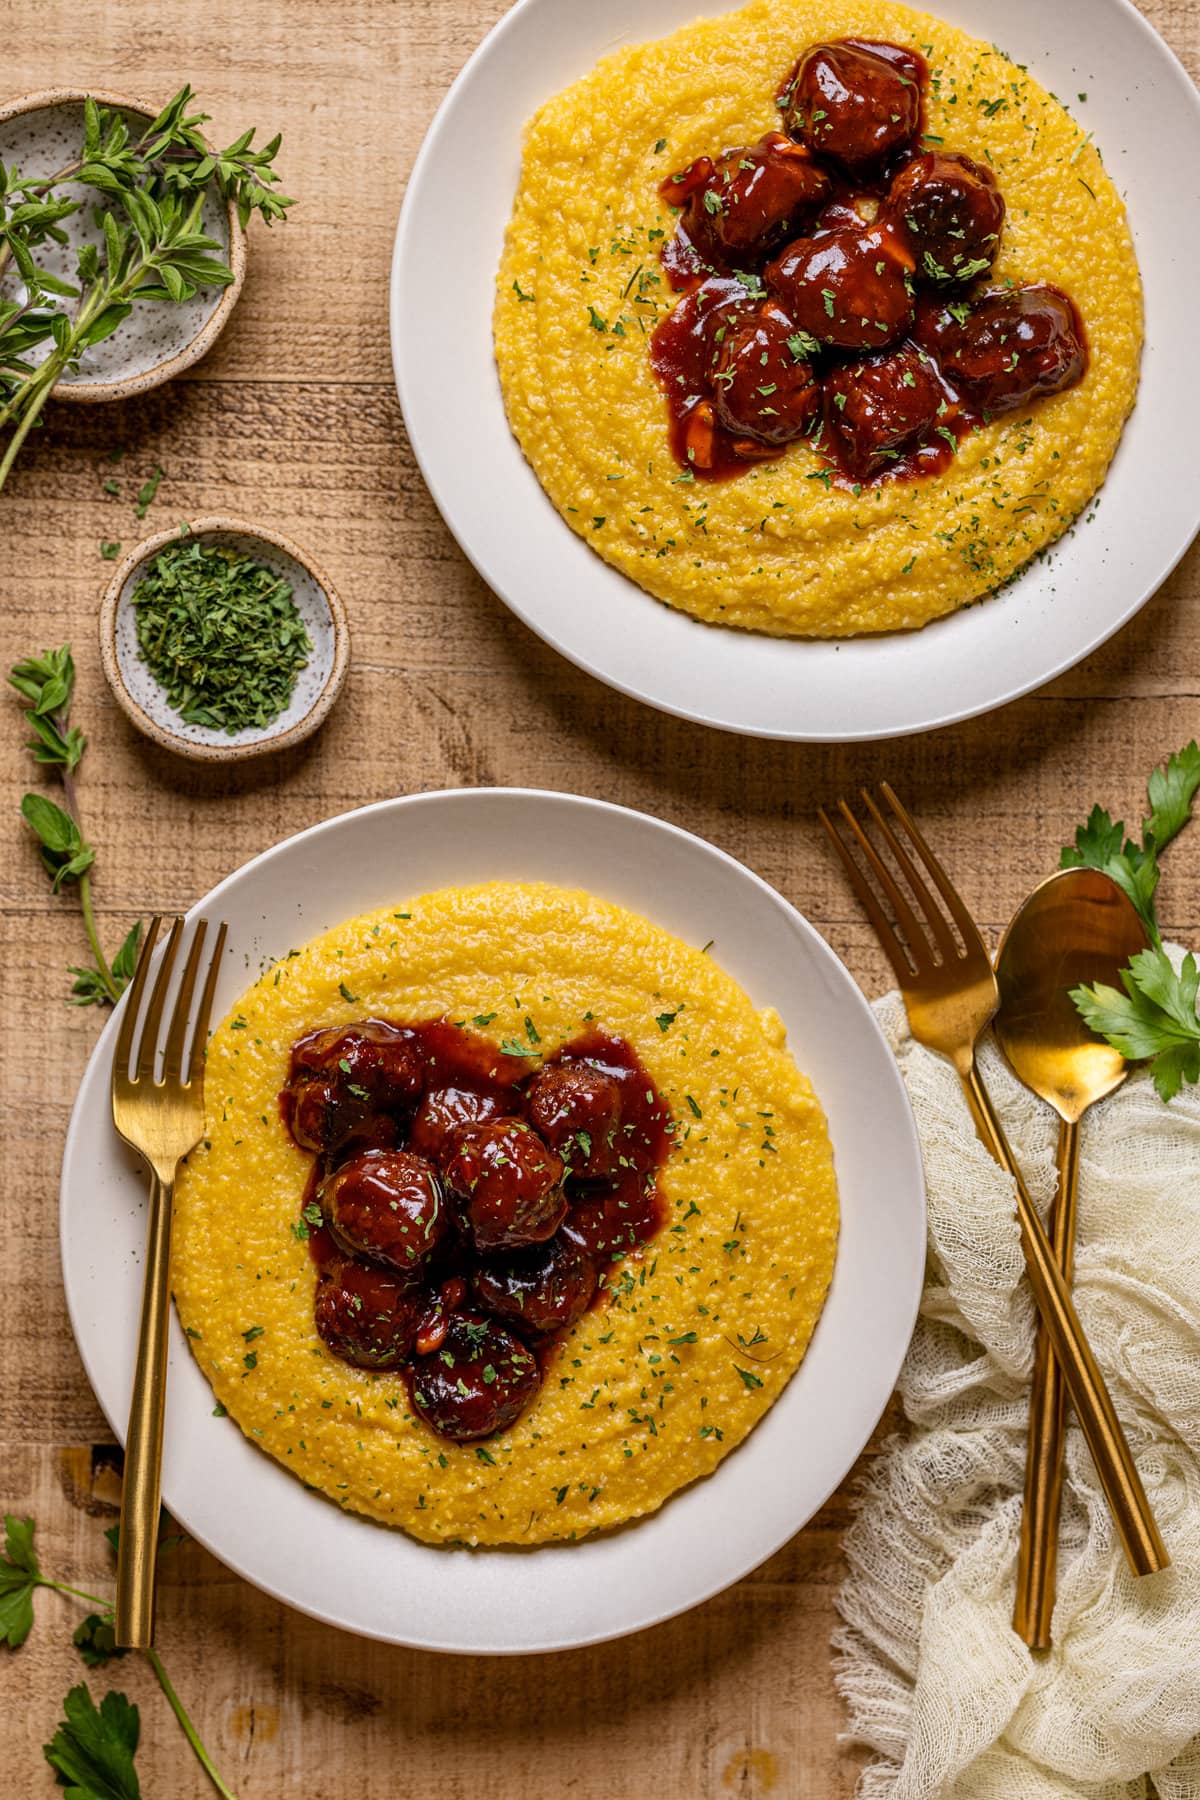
{"x": 144, "y": 701}
{"x": 41, "y": 133}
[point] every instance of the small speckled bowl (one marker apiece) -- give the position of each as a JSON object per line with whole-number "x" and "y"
{"x": 41, "y": 133}
{"x": 143, "y": 700}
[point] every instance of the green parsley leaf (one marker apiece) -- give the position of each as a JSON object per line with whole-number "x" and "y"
{"x": 1101, "y": 844}
{"x": 19, "y": 1576}
{"x": 93, "y": 1749}
{"x": 1172, "y": 790}
{"x": 803, "y": 346}
{"x": 1154, "y": 1018}
{"x": 148, "y": 489}
{"x": 347, "y": 996}
{"x": 96, "y": 1641}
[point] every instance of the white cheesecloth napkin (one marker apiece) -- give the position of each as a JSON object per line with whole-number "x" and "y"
{"x": 933, "y": 1676}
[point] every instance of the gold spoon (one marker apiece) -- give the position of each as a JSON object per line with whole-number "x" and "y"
{"x": 1076, "y": 929}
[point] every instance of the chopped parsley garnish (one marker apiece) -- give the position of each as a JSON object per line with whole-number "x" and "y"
{"x": 221, "y": 634}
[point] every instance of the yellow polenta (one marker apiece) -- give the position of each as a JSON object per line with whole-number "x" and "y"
{"x": 774, "y": 549}
{"x": 703, "y": 1327}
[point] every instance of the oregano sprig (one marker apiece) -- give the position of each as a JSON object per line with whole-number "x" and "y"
{"x": 47, "y": 682}
{"x": 152, "y": 192}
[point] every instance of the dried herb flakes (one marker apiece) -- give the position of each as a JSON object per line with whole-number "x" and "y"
{"x": 222, "y": 635}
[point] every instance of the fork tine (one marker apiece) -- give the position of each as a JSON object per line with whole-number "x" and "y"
{"x": 917, "y": 936}
{"x": 200, "y": 1035}
{"x": 925, "y": 900}
{"x": 968, "y": 930}
{"x": 148, "y": 1045}
{"x": 177, "y": 1030}
{"x": 889, "y": 942}
{"x": 133, "y": 1001}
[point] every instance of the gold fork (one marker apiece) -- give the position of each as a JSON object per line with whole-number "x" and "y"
{"x": 162, "y": 1119}
{"x": 949, "y": 989}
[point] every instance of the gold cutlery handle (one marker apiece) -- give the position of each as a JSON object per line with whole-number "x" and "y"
{"x": 137, "y": 1550}
{"x": 1092, "y": 1401}
{"x": 1037, "y": 1563}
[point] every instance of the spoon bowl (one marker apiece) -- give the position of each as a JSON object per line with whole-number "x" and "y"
{"x": 1077, "y": 928}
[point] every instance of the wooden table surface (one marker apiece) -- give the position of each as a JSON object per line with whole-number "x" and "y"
{"x": 293, "y": 420}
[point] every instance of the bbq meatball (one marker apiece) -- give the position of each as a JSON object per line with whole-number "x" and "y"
{"x": 576, "y": 1109}
{"x": 323, "y": 1116}
{"x": 749, "y": 202}
{"x": 874, "y": 408}
{"x": 854, "y": 100}
{"x": 443, "y": 1112}
{"x": 343, "y": 1077}
{"x": 1008, "y": 347}
{"x": 607, "y": 1225}
{"x": 365, "y": 1315}
{"x": 373, "y": 1059}
{"x": 765, "y": 387}
{"x": 850, "y": 288}
{"x": 509, "y": 1184}
{"x": 386, "y": 1204}
{"x": 477, "y": 1382}
{"x": 545, "y": 1289}
{"x": 953, "y": 211}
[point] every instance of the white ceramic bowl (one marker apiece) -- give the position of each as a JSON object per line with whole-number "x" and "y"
{"x": 144, "y": 701}
{"x": 299, "y": 1546}
{"x": 1145, "y": 114}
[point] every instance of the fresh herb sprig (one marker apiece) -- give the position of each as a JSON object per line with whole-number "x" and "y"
{"x": 152, "y": 193}
{"x": 1155, "y": 1017}
{"x": 47, "y": 682}
{"x": 93, "y": 1749}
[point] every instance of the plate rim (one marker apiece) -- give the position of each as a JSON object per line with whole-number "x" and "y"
{"x": 548, "y": 632}
{"x": 908, "y": 1154}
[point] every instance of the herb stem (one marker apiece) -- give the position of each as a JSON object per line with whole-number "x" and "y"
{"x": 70, "y": 795}
{"x": 89, "y": 919}
{"x": 42, "y": 383}
{"x": 189, "y": 1730}
{"x": 62, "y": 1587}
{"x": 105, "y": 1607}
{"x": 33, "y": 408}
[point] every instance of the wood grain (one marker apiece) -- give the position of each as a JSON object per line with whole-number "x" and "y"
{"x": 293, "y": 420}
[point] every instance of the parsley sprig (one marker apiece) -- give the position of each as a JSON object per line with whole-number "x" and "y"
{"x": 47, "y": 682}
{"x": 1154, "y": 1018}
{"x": 152, "y": 191}
{"x": 93, "y": 1749}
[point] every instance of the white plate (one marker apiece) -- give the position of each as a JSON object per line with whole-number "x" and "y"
{"x": 1145, "y": 114}
{"x": 341, "y": 1568}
